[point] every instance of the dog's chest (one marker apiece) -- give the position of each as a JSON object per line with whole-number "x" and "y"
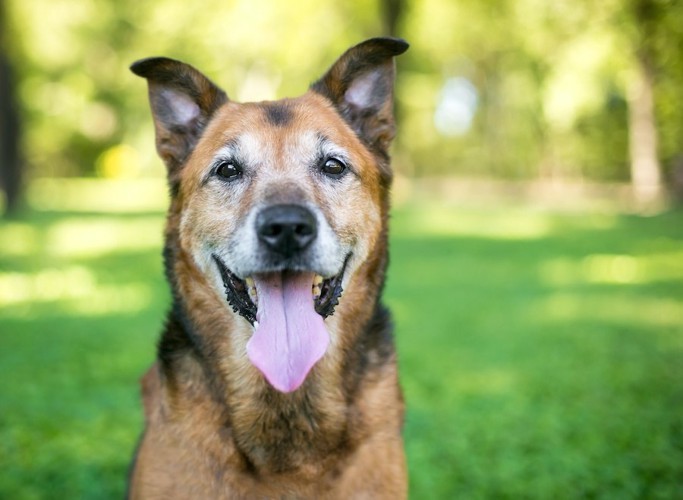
{"x": 287, "y": 438}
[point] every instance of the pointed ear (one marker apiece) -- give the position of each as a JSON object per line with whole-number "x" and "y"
{"x": 361, "y": 86}
{"x": 182, "y": 101}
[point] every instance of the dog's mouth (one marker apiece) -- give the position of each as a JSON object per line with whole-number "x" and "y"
{"x": 242, "y": 295}
{"x": 287, "y": 309}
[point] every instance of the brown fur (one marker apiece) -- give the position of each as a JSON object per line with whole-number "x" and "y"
{"x": 214, "y": 427}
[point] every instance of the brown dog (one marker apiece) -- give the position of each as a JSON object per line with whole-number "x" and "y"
{"x": 289, "y": 388}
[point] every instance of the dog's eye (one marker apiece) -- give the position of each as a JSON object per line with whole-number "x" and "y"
{"x": 333, "y": 167}
{"x": 228, "y": 170}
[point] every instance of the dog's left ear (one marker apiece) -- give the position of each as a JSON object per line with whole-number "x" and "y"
{"x": 361, "y": 86}
{"x": 182, "y": 101}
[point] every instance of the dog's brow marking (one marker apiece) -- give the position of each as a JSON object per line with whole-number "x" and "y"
{"x": 278, "y": 113}
{"x": 329, "y": 148}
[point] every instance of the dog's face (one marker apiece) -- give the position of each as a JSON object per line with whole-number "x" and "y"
{"x": 275, "y": 187}
{"x": 281, "y": 202}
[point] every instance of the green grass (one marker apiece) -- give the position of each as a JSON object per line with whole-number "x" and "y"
{"x": 541, "y": 354}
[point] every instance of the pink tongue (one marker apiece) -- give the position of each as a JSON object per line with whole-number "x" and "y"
{"x": 290, "y": 337}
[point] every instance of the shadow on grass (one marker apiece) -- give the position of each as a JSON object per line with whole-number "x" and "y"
{"x": 77, "y": 330}
{"x": 540, "y": 354}
{"x": 71, "y": 412}
{"x": 542, "y": 366}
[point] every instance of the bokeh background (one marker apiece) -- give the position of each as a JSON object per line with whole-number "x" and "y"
{"x": 537, "y": 234}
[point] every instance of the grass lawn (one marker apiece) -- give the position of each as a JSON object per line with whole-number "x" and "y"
{"x": 541, "y": 353}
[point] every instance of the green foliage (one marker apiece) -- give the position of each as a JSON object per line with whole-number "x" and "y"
{"x": 552, "y": 78}
{"x": 80, "y": 99}
{"x": 540, "y": 353}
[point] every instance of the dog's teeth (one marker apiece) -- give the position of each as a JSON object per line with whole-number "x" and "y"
{"x": 251, "y": 289}
{"x": 317, "y": 282}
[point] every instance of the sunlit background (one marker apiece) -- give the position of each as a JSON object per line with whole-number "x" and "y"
{"x": 537, "y": 235}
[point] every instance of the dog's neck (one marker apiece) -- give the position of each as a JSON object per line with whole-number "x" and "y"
{"x": 273, "y": 431}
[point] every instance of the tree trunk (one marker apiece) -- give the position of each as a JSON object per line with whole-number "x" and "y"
{"x": 646, "y": 177}
{"x": 391, "y": 11}
{"x": 10, "y": 161}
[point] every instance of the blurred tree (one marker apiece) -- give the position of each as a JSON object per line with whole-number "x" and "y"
{"x": 647, "y": 19}
{"x": 392, "y": 11}
{"x": 508, "y": 88}
{"x": 10, "y": 162}
{"x": 85, "y": 112}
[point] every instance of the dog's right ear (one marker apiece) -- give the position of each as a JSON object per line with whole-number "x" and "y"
{"x": 360, "y": 84}
{"x": 182, "y": 101}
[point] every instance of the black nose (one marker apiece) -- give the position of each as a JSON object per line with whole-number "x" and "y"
{"x": 286, "y": 229}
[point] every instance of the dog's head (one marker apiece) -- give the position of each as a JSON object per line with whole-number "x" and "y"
{"x": 280, "y": 203}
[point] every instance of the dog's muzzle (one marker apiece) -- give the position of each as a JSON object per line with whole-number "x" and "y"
{"x": 286, "y": 301}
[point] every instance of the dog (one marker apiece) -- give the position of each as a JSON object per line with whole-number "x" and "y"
{"x": 276, "y": 374}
